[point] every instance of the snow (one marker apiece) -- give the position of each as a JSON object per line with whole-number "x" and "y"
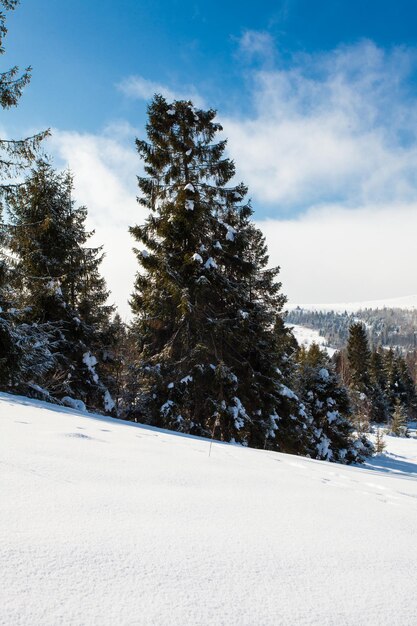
{"x": 324, "y": 373}
{"x": 307, "y": 336}
{"x": 230, "y": 231}
{"x": 189, "y": 205}
{"x": 78, "y": 405}
{"x": 404, "y": 302}
{"x": 197, "y": 257}
{"x": 210, "y": 264}
{"x": 108, "y": 402}
{"x": 90, "y": 361}
{"x": 287, "y": 393}
{"x": 109, "y": 522}
{"x": 189, "y": 187}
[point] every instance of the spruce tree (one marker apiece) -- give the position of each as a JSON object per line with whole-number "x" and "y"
{"x": 60, "y": 284}
{"x": 359, "y": 355}
{"x": 327, "y": 402}
{"x": 15, "y": 157}
{"x": 380, "y": 404}
{"x": 205, "y": 305}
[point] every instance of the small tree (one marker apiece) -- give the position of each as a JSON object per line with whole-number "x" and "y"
{"x": 380, "y": 444}
{"x": 327, "y": 402}
{"x": 399, "y": 421}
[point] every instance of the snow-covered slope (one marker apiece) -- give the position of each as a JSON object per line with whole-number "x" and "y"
{"x": 307, "y": 336}
{"x": 110, "y": 523}
{"x": 404, "y": 302}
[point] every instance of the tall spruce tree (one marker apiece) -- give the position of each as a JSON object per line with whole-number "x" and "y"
{"x": 205, "y": 305}
{"x": 60, "y": 284}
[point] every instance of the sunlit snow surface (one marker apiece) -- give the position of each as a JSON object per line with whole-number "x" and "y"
{"x": 307, "y": 336}
{"x": 110, "y": 523}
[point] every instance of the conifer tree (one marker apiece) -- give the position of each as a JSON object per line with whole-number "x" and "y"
{"x": 398, "y": 425}
{"x": 205, "y": 305}
{"x": 327, "y": 402}
{"x": 399, "y": 384}
{"x": 60, "y": 284}
{"x": 15, "y": 157}
{"x": 358, "y": 354}
{"x": 380, "y": 444}
{"x": 380, "y": 404}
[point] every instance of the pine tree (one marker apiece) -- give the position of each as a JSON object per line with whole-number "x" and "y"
{"x": 205, "y": 305}
{"x": 60, "y": 284}
{"x": 327, "y": 402}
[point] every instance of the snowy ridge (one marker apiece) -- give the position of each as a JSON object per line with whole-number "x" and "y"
{"x": 108, "y": 522}
{"x": 307, "y": 336}
{"x": 404, "y": 302}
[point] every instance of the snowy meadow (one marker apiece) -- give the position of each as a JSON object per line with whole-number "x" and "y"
{"x": 107, "y": 522}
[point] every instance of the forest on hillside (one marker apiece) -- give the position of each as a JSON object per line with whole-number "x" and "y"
{"x": 389, "y": 328}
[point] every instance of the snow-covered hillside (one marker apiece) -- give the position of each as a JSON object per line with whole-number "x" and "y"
{"x": 404, "y": 302}
{"x": 105, "y": 522}
{"x": 307, "y": 336}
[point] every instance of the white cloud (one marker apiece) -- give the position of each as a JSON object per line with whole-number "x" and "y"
{"x": 255, "y": 44}
{"x": 330, "y": 153}
{"x": 331, "y": 126}
{"x": 143, "y": 89}
{"x": 334, "y": 254}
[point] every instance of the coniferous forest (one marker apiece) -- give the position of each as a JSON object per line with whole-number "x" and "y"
{"x": 207, "y": 351}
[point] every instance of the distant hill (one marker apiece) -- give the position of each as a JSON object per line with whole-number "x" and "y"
{"x": 408, "y": 303}
{"x": 388, "y": 326}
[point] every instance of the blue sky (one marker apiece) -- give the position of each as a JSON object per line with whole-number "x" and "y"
{"x": 81, "y": 49}
{"x": 318, "y": 99}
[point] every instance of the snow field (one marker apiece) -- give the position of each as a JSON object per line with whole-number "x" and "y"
{"x": 107, "y": 522}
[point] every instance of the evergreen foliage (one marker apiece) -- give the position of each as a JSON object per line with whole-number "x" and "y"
{"x": 61, "y": 290}
{"x": 380, "y": 444}
{"x": 212, "y": 357}
{"x": 15, "y": 155}
{"x": 17, "y": 342}
{"x": 358, "y": 354}
{"x": 398, "y": 424}
{"x": 327, "y": 402}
